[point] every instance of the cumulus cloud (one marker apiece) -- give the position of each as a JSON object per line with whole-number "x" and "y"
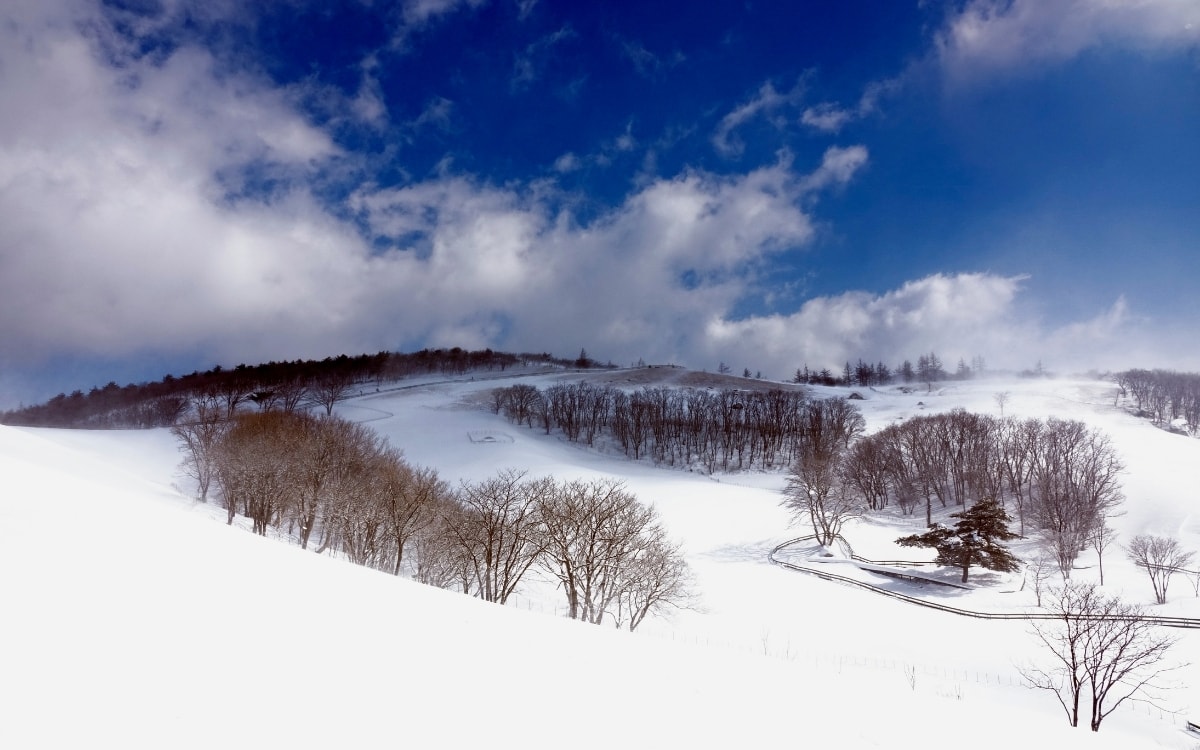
{"x": 152, "y": 233}
{"x": 133, "y": 221}
{"x": 121, "y": 188}
{"x": 960, "y": 315}
{"x": 992, "y": 35}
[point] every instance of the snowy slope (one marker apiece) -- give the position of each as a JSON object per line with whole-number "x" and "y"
{"x": 133, "y": 617}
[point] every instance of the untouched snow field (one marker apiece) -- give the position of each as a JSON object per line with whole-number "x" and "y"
{"x": 133, "y": 617}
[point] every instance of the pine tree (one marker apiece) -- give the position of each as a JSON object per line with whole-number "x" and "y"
{"x": 974, "y": 540}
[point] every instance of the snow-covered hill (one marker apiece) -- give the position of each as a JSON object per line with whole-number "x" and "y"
{"x": 133, "y": 617}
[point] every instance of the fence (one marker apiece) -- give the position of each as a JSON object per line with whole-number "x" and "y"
{"x": 1171, "y": 622}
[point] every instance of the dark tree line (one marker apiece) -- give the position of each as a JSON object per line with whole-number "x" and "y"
{"x": 1163, "y": 395}
{"x": 336, "y": 486}
{"x": 284, "y": 385}
{"x": 719, "y": 430}
{"x": 927, "y": 370}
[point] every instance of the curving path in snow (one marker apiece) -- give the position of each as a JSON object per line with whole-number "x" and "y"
{"x": 875, "y": 567}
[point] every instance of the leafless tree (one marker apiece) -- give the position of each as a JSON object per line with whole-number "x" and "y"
{"x": 255, "y": 465}
{"x": 1039, "y": 570}
{"x": 1076, "y": 486}
{"x": 1002, "y": 399}
{"x": 328, "y": 388}
{"x": 1122, "y": 658}
{"x": 1162, "y": 557}
{"x": 442, "y": 560}
{"x": 593, "y": 534}
{"x": 1017, "y": 447}
{"x": 322, "y": 447}
{"x": 1099, "y": 646}
{"x": 1101, "y": 538}
{"x": 199, "y": 432}
{"x": 1064, "y": 637}
{"x": 409, "y": 498}
{"x": 816, "y": 494}
{"x": 520, "y": 402}
{"x": 290, "y": 393}
{"x": 656, "y": 579}
{"x": 867, "y": 471}
{"x": 499, "y": 530}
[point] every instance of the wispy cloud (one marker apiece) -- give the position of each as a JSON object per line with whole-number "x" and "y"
{"x": 838, "y": 166}
{"x": 532, "y": 61}
{"x": 525, "y": 7}
{"x": 766, "y": 102}
{"x": 831, "y": 117}
{"x": 420, "y": 12}
{"x": 647, "y": 63}
{"x": 368, "y": 104}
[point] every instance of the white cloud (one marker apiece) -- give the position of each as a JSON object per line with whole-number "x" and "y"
{"x": 568, "y": 162}
{"x": 765, "y": 103}
{"x": 536, "y": 57}
{"x": 420, "y": 12}
{"x": 831, "y": 118}
{"x": 827, "y": 116}
{"x": 838, "y": 166}
{"x": 960, "y": 315}
{"x": 368, "y": 104}
{"x": 118, "y": 237}
{"x": 437, "y": 114}
{"x": 646, "y": 62}
{"x": 993, "y": 35}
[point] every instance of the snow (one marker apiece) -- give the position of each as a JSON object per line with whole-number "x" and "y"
{"x": 134, "y": 617}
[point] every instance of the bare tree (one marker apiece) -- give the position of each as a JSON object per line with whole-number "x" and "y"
{"x": 329, "y": 388}
{"x": 408, "y": 497}
{"x": 816, "y": 494}
{"x": 1039, "y": 569}
{"x": 657, "y": 578}
{"x": 1099, "y": 646}
{"x": 593, "y": 534}
{"x": 1122, "y": 657}
{"x": 867, "y": 469}
{"x": 1101, "y": 538}
{"x": 500, "y": 530}
{"x": 1002, "y": 399}
{"x": 1064, "y": 637}
{"x": 323, "y": 449}
{"x": 1161, "y": 557}
{"x": 442, "y": 561}
{"x": 254, "y": 462}
{"x": 1075, "y": 480}
{"x": 199, "y": 432}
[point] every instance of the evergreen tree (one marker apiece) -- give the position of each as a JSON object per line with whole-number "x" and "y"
{"x": 974, "y": 539}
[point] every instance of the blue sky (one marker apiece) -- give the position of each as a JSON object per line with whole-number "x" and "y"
{"x": 765, "y": 184}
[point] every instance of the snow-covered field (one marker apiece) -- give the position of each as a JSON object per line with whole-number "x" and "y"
{"x": 131, "y": 616}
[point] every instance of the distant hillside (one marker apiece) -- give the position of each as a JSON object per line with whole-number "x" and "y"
{"x": 308, "y": 382}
